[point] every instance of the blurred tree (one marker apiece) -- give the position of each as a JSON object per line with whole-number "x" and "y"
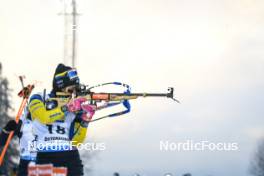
{"x": 188, "y": 174}
{"x": 257, "y": 165}
{"x": 12, "y": 154}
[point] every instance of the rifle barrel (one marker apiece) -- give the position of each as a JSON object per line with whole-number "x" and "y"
{"x": 149, "y": 94}
{"x": 136, "y": 94}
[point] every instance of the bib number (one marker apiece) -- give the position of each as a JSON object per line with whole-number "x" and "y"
{"x": 58, "y": 129}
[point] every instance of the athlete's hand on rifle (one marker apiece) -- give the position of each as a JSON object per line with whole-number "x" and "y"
{"x": 75, "y": 105}
{"x": 81, "y": 105}
{"x": 88, "y": 111}
{"x": 12, "y": 126}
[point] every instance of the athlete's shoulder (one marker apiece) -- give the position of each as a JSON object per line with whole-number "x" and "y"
{"x": 41, "y": 96}
{"x": 36, "y": 96}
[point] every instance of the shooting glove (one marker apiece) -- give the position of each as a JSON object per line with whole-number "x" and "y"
{"x": 89, "y": 111}
{"x": 75, "y": 104}
{"x": 87, "y": 114}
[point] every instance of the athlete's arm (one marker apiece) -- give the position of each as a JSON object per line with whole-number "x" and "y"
{"x": 82, "y": 122}
{"x": 44, "y": 115}
{"x": 79, "y": 135}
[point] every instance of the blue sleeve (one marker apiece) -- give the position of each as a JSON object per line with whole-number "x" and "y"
{"x": 36, "y": 97}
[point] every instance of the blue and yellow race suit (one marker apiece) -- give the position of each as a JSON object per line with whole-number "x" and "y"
{"x": 56, "y": 130}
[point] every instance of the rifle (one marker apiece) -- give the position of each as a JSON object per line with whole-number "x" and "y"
{"x": 111, "y": 98}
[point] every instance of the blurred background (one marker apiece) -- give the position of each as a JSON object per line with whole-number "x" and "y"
{"x": 210, "y": 51}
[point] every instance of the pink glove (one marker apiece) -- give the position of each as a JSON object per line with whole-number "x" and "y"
{"x": 76, "y": 104}
{"x": 89, "y": 111}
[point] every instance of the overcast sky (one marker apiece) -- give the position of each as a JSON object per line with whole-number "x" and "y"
{"x": 211, "y": 51}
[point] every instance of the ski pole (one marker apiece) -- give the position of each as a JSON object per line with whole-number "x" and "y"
{"x": 25, "y": 93}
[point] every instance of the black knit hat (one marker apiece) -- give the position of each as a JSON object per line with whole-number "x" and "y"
{"x": 64, "y": 81}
